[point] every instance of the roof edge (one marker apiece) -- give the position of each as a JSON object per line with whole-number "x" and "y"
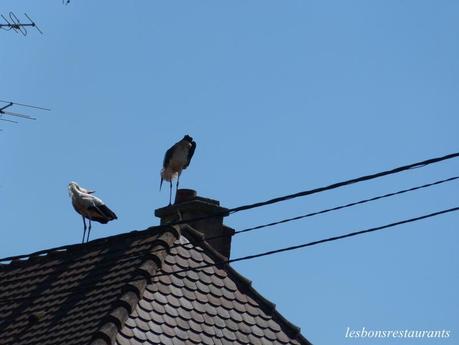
{"x": 22, "y": 259}
{"x": 267, "y": 306}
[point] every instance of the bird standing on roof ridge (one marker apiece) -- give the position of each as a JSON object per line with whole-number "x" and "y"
{"x": 89, "y": 207}
{"x": 177, "y": 158}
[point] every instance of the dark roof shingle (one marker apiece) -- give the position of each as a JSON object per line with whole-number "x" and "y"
{"x": 136, "y": 288}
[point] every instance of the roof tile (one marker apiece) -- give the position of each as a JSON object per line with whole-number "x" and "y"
{"x": 216, "y": 291}
{"x": 173, "y": 301}
{"x": 231, "y": 325}
{"x": 204, "y": 278}
{"x": 155, "y": 318}
{"x": 183, "y": 324}
{"x": 171, "y": 311}
{"x": 252, "y": 310}
{"x": 282, "y": 337}
{"x": 211, "y": 310}
{"x": 152, "y": 338}
{"x": 197, "y": 316}
{"x": 143, "y": 314}
{"x": 215, "y": 301}
{"x": 274, "y": 326}
{"x": 208, "y": 330}
{"x": 82, "y": 285}
{"x": 158, "y": 308}
{"x": 181, "y": 333}
{"x": 142, "y": 325}
{"x": 186, "y": 304}
{"x": 235, "y": 315}
{"x": 198, "y": 306}
{"x": 254, "y": 339}
{"x": 219, "y": 322}
{"x": 165, "y": 340}
{"x": 139, "y": 334}
{"x": 201, "y": 298}
{"x": 170, "y": 321}
{"x": 169, "y": 330}
{"x": 177, "y": 341}
{"x": 242, "y": 338}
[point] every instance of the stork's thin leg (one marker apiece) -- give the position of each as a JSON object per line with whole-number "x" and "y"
{"x": 178, "y": 179}
{"x": 84, "y": 227}
{"x": 89, "y": 230}
{"x": 170, "y": 193}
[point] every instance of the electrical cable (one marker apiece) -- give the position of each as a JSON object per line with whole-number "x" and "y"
{"x": 268, "y": 253}
{"x": 336, "y": 185}
{"x": 438, "y": 182}
{"x": 364, "y": 201}
{"x": 125, "y": 258}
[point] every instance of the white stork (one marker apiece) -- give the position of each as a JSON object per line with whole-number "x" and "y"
{"x": 89, "y": 206}
{"x": 177, "y": 158}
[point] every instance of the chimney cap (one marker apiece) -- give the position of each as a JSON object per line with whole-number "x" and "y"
{"x": 183, "y": 195}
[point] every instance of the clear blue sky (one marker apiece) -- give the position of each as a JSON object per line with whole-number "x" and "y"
{"x": 281, "y": 96}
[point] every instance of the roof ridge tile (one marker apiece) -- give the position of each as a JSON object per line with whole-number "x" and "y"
{"x": 133, "y": 291}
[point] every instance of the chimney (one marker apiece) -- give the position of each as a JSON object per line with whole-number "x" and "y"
{"x": 191, "y": 206}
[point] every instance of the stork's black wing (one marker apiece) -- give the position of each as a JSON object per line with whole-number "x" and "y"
{"x": 190, "y": 154}
{"x": 107, "y": 212}
{"x": 101, "y": 214}
{"x": 167, "y": 156}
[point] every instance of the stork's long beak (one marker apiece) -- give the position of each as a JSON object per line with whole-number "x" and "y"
{"x": 161, "y": 183}
{"x": 91, "y": 191}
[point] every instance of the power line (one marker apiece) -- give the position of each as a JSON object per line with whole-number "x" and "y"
{"x": 336, "y": 185}
{"x": 307, "y": 215}
{"x": 336, "y": 208}
{"x": 340, "y": 237}
{"x": 262, "y": 254}
{"x": 438, "y": 182}
{"x": 279, "y": 199}
{"x": 346, "y": 182}
{"x": 364, "y": 201}
{"x": 125, "y": 258}
{"x": 314, "y": 243}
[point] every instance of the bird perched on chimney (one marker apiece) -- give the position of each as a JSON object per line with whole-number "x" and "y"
{"x": 89, "y": 207}
{"x": 177, "y": 158}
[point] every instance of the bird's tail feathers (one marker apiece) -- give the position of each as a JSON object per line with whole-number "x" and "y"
{"x": 167, "y": 175}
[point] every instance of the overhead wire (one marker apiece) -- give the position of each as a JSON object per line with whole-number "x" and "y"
{"x": 317, "y": 190}
{"x": 336, "y": 208}
{"x": 263, "y": 254}
{"x": 336, "y": 185}
{"x": 364, "y": 201}
{"x": 127, "y": 257}
{"x": 311, "y": 214}
{"x": 313, "y": 243}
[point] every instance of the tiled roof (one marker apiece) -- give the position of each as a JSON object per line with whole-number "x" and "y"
{"x": 103, "y": 292}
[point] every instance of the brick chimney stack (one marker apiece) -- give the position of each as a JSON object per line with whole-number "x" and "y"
{"x": 192, "y": 206}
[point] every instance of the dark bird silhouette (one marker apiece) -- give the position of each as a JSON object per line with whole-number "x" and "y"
{"x": 177, "y": 158}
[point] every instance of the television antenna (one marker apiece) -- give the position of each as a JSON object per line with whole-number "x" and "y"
{"x": 7, "y": 105}
{"x": 13, "y": 23}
